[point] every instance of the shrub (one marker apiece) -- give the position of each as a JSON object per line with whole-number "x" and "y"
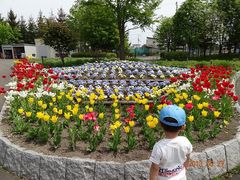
{"x": 175, "y": 55}
{"x": 94, "y": 54}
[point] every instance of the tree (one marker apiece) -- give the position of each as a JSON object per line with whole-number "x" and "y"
{"x": 6, "y": 34}
{"x": 62, "y": 17}
{"x": 229, "y": 13}
{"x": 60, "y": 37}
{"x": 164, "y": 33}
{"x": 12, "y": 19}
{"x": 31, "y": 31}
{"x": 41, "y": 25}
{"x": 95, "y": 25}
{"x": 189, "y": 23}
{"x": 1, "y": 18}
{"x": 23, "y": 29}
{"x": 139, "y": 12}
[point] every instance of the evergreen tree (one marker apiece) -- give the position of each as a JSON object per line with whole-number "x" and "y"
{"x": 41, "y": 25}
{"x": 23, "y": 29}
{"x": 62, "y": 17}
{"x": 12, "y": 19}
{"x": 31, "y": 31}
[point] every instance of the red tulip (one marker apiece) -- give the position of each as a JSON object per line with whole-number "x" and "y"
{"x": 189, "y": 106}
{"x": 235, "y": 98}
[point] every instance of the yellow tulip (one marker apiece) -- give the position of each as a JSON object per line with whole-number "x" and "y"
{"x": 146, "y": 94}
{"x": 78, "y": 93}
{"x": 160, "y": 106}
{"x": 67, "y": 115}
{"x": 225, "y": 122}
{"x": 59, "y": 97}
{"x": 116, "y": 90}
{"x": 146, "y": 107}
{"x": 205, "y": 104}
{"x": 81, "y": 116}
{"x": 149, "y": 118}
{"x": 176, "y": 100}
{"x": 54, "y": 119}
{"x": 216, "y": 114}
{"x": 79, "y": 100}
{"x": 101, "y": 115}
{"x": 196, "y": 97}
{"x": 117, "y": 116}
{"x": 127, "y": 98}
{"x": 155, "y": 121}
{"x": 90, "y": 109}
{"x": 46, "y": 117}
{"x": 181, "y": 105}
{"x": 44, "y": 106}
{"x": 151, "y": 124}
{"x": 117, "y": 111}
{"x": 60, "y": 111}
{"x": 115, "y": 104}
{"x": 131, "y": 123}
{"x": 200, "y": 106}
{"x": 75, "y": 111}
{"x": 54, "y": 99}
{"x": 20, "y": 110}
{"x": 50, "y": 104}
{"x": 127, "y": 129}
{"x": 28, "y": 114}
{"x": 92, "y": 102}
{"x": 40, "y": 103}
{"x": 204, "y": 113}
{"x": 191, "y": 118}
{"x": 185, "y": 95}
{"x": 144, "y": 101}
{"x": 30, "y": 100}
{"x": 117, "y": 124}
{"x": 40, "y": 115}
{"x": 62, "y": 93}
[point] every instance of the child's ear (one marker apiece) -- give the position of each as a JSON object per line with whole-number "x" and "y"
{"x": 183, "y": 127}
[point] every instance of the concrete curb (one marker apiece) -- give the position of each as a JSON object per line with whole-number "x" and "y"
{"x": 204, "y": 165}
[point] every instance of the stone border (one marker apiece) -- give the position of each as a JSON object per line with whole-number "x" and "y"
{"x": 207, "y": 164}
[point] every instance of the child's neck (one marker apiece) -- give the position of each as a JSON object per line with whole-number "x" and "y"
{"x": 171, "y": 135}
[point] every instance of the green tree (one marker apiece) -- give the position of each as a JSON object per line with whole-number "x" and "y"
{"x": 189, "y": 23}
{"x": 60, "y": 37}
{"x": 164, "y": 33}
{"x": 139, "y": 12}
{"x": 1, "y": 18}
{"x": 229, "y": 13}
{"x": 12, "y": 19}
{"x": 23, "y": 29}
{"x": 31, "y": 31}
{"x": 41, "y": 25}
{"x": 62, "y": 17}
{"x": 6, "y": 34}
{"x": 95, "y": 25}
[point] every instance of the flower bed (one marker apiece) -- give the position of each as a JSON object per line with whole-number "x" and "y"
{"x": 47, "y": 103}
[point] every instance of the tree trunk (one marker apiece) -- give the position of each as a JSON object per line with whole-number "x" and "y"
{"x": 235, "y": 49}
{"x": 220, "y": 49}
{"x": 121, "y": 28}
{"x": 62, "y": 58}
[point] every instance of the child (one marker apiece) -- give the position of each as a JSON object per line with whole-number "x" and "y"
{"x": 170, "y": 156}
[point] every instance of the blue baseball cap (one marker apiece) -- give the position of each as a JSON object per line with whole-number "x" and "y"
{"x": 174, "y": 112}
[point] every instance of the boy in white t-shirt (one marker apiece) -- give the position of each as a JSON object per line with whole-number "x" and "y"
{"x": 170, "y": 156}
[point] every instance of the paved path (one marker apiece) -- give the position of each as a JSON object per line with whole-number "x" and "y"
{"x": 5, "y": 66}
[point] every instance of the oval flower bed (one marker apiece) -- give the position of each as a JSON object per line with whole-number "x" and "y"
{"x": 45, "y": 108}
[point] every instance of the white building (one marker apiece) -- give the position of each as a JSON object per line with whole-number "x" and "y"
{"x": 44, "y": 50}
{"x": 16, "y": 51}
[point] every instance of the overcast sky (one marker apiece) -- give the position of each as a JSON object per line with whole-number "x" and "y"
{"x": 27, "y": 8}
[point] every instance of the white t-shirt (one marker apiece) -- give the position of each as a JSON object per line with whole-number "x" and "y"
{"x": 170, "y": 155}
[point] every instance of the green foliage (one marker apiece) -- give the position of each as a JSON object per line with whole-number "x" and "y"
{"x": 95, "y": 25}
{"x": 176, "y": 55}
{"x": 60, "y": 37}
{"x": 91, "y": 54}
{"x": 6, "y": 34}
{"x": 140, "y": 13}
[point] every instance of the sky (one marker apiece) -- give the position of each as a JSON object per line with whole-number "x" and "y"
{"x": 31, "y": 8}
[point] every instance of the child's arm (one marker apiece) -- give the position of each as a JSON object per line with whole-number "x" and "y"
{"x": 186, "y": 163}
{"x": 154, "y": 171}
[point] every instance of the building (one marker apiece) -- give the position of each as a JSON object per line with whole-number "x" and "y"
{"x": 16, "y": 51}
{"x": 152, "y": 45}
{"x": 44, "y": 50}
